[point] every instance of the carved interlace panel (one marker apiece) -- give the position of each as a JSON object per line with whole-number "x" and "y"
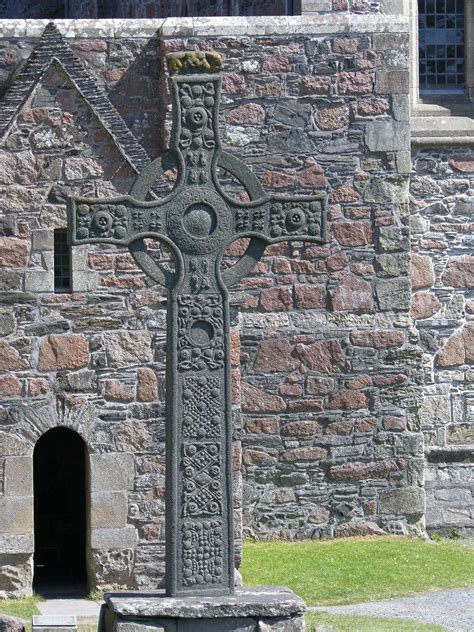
{"x": 200, "y": 332}
{"x": 202, "y": 406}
{"x": 202, "y": 489}
{"x": 203, "y": 555}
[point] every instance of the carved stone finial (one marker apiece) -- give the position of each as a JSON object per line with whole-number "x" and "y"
{"x": 192, "y": 62}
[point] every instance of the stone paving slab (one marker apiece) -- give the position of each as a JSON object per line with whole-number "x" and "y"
{"x": 452, "y": 609}
{"x": 85, "y": 610}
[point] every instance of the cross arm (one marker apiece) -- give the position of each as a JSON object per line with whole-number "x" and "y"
{"x": 278, "y": 218}
{"x": 120, "y": 220}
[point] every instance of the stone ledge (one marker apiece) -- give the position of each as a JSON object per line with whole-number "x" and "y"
{"x": 258, "y": 601}
{"x": 209, "y": 27}
{"x": 427, "y": 131}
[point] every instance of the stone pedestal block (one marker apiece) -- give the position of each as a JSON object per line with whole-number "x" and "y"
{"x": 255, "y": 609}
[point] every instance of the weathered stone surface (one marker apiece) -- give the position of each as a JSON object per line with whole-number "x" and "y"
{"x": 348, "y": 400}
{"x": 275, "y": 354}
{"x": 325, "y": 356}
{"x": 356, "y": 471}
{"x": 459, "y": 272}
{"x": 458, "y": 350}
{"x": 393, "y": 294}
{"x": 405, "y": 501}
{"x": 255, "y": 400}
{"x": 354, "y": 83}
{"x": 10, "y": 386}
{"x": 124, "y": 348}
{"x": 332, "y": 118}
{"x": 464, "y": 164}
{"x": 11, "y": 624}
{"x": 256, "y": 601}
{"x": 16, "y": 514}
{"x": 63, "y": 352}
{"x": 117, "y": 391}
{"x": 18, "y": 473}
{"x": 108, "y": 509}
{"x": 422, "y": 273}
{"x": 17, "y": 543}
{"x": 147, "y": 385}
{"x": 114, "y": 539}
{"x": 16, "y": 575}
{"x": 112, "y": 472}
{"x": 249, "y": 114}
{"x": 358, "y": 528}
{"x": 353, "y": 233}
{"x": 310, "y": 296}
{"x": 303, "y": 455}
{"x": 378, "y": 339}
{"x": 424, "y": 305}
{"x": 10, "y": 359}
{"x": 13, "y": 252}
{"x": 353, "y": 294}
{"x": 382, "y": 136}
{"x": 113, "y": 568}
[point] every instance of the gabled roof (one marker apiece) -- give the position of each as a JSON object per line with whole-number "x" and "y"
{"x": 52, "y": 47}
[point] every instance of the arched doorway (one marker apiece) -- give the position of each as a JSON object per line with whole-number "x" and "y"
{"x": 59, "y": 471}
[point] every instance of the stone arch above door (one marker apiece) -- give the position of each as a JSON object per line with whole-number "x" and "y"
{"x": 111, "y": 541}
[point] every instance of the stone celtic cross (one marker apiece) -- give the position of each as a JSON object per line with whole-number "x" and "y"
{"x": 197, "y": 221}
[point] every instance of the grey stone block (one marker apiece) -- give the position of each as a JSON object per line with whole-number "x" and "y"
{"x": 393, "y": 239}
{"x": 108, "y": 510}
{"x": 39, "y": 281}
{"x": 393, "y": 294}
{"x": 407, "y": 501}
{"x": 125, "y": 538}
{"x": 42, "y": 239}
{"x": 16, "y": 514}
{"x": 244, "y": 624}
{"x": 10, "y": 280}
{"x": 464, "y": 206}
{"x": 387, "y": 136}
{"x": 17, "y": 543}
{"x": 56, "y": 623}
{"x": 315, "y": 6}
{"x": 112, "y": 472}
{"x": 11, "y": 624}
{"x": 150, "y": 626}
{"x": 18, "y": 476}
{"x": 392, "y": 7}
{"x": 392, "y": 82}
{"x": 84, "y": 281}
{"x": 390, "y": 41}
{"x": 401, "y": 107}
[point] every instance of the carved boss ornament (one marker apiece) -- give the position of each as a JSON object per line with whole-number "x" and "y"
{"x": 197, "y": 221}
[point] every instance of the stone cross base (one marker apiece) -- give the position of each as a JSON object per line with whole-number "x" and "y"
{"x": 254, "y": 609}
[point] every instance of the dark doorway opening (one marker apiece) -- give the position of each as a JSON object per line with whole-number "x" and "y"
{"x": 59, "y": 464}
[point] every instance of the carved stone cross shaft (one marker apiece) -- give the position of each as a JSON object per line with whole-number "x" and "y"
{"x": 197, "y": 221}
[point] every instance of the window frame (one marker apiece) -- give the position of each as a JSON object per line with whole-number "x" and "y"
{"x": 455, "y": 124}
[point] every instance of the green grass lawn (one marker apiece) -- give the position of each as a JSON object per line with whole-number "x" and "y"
{"x": 21, "y": 608}
{"x": 344, "y": 623}
{"x": 352, "y": 570}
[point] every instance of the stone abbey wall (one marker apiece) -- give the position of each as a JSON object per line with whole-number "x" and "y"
{"x": 328, "y": 369}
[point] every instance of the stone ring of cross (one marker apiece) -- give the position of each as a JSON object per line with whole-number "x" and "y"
{"x": 142, "y": 189}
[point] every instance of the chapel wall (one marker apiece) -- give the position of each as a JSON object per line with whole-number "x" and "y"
{"x": 442, "y": 274}
{"x": 329, "y": 439}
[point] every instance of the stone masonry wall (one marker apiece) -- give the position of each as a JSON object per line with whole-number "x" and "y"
{"x": 442, "y": 190}
{"x": 79, "y": 9}
{"x": 329, "y": 439}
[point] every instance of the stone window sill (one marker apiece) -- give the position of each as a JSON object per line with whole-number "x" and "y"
{"x": 429, "y": 129}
